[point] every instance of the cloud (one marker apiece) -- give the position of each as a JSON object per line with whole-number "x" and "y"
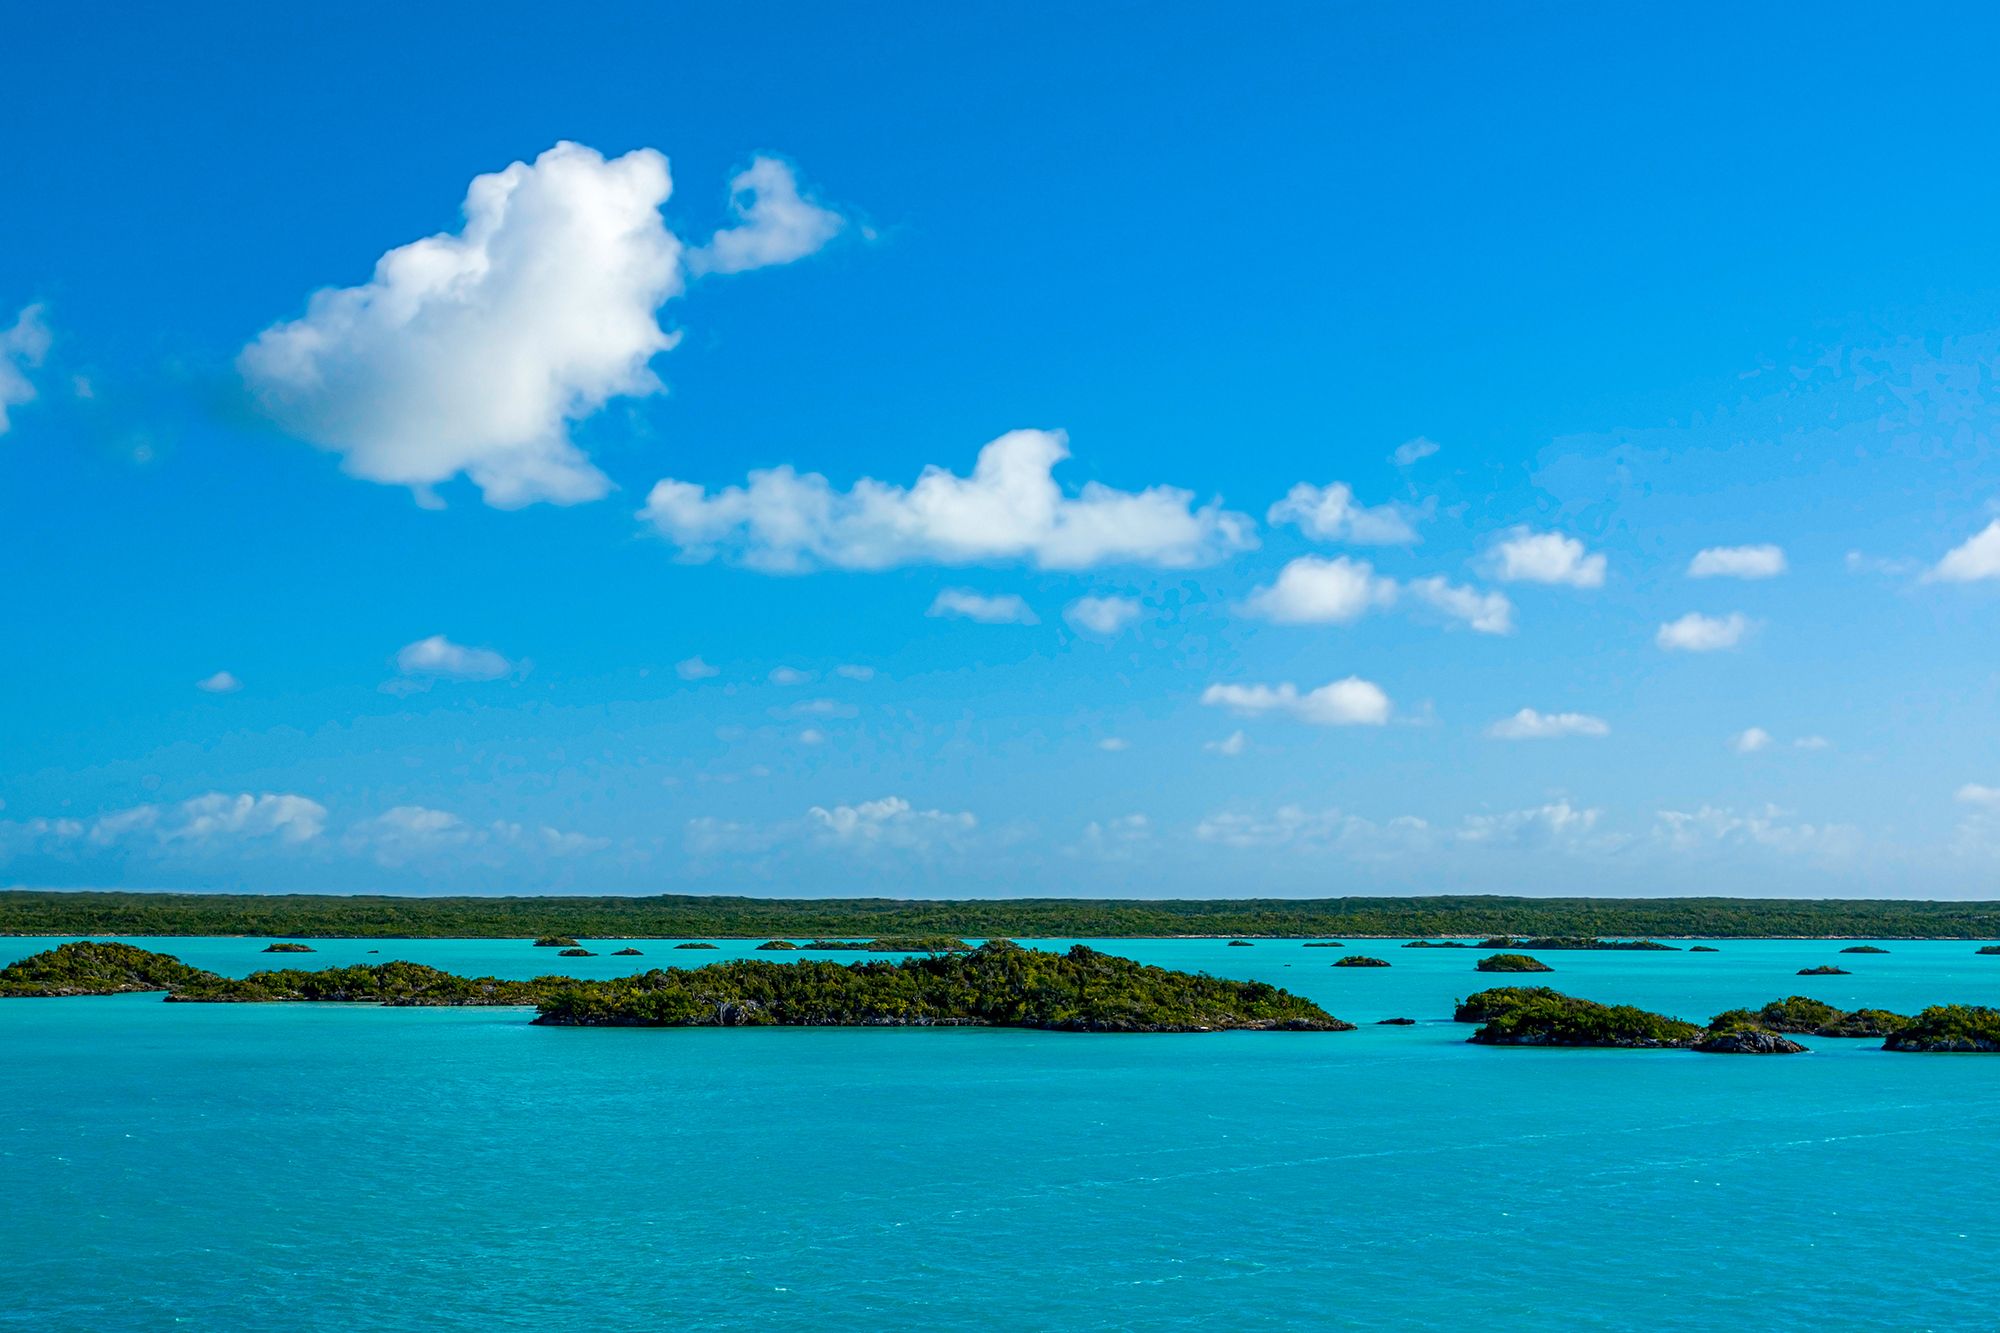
{"x": 1974, "y": 793}
{"x": 1329, "y": 514}
{"x": 1294, "y": 826}
{"x": 1696, "y": 633}
{"x": 1343, "y": 703}
{"x": 1313, "y": 591}
{"x": 1768, "y": 827}
{"x": 1812, "y": 743}
{"x": 784, "y": 675}
{"x": 693, "y": 668}
{"x": 1558, "y": 823}
{"x": 1114, "y": 839}
{"x": 816, "y": 708}
{"x": 1737, "y": 562}
{"x": 854, "y": 671}
{"x": 1229, "y": 746}
{"x": 1976, "y": 558}
{"x": 214, "y": 819}
{"x": 439, "y": 658}
{"x": 775, "y": 222}
{"x": 1526, "y": 556}
{"x": 22, "y": 347}
{"x": 1105, "y": 616}
{"x": 1413, "y": 451}
{"x": 414, "y": 833}
{"x": 1750, "y": 740}
{"x": 1529, "y": 725}
{"x": 1114, "y": 745}
{"x": 473, "y": 352}
{"x": 222, "y": 682}
{"x": 1004, "y": 609}
{"x": 1010, "y": 508}
{"x": 812, "y": 736}
{"x": 1486, "y": 612}
{"x": 889, "y": 822}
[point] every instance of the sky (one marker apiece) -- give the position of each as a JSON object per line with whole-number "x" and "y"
{"x": 976, "y": 450}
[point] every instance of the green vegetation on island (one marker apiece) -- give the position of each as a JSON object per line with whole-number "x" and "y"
{"x": 1563, "y": 1020}
{"x": 95, "y": 967}
{"x": 1989, "y": 949}
{"x": 1511, "y": 962}
{"x": 1324, "y": 944}
{"x": 1360, "y": 960}
{"x": 1547, "y": 943}
{"x": 697, "y": 944}
{"x": 1241, "y": 944}
{"x": 679, "y": 916}
{"x": 555, "y": 942}
{"x": 1817, "y": 1018}
{"x": 1481, "y": 1006}
{"x": 1864, "y": 948}
{"x": 769, "y": 945}
{"x": 1437, "y": 944}
{"x": 627, "y": 952}
{"x": 1703, "y": 948}
{"x": 1737, "y": 1032}
{"x": 999, "y": 984}
{"x": 1949, "y": 1027}
{"x": 575, "y": 953}
{"x": 282, "y": 947}
{"x": 1825, "y": 970}
{"x": 397, "y": 984}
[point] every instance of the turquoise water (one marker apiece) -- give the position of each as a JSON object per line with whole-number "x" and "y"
{"x": 322, "y": 1167}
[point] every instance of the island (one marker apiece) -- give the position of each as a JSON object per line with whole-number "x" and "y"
{"x": 282, "y": 947}
{"x": 1817, "y": 1018}
{"x": 1395, "y": 1022}
{"x": 1323, "y": 944}
{"x": 1538, "y": 1016}
{"x": 1964, "y": 1028}
{"x": 1703, "y": 948}
{"x": 1241, "y": 944}
{"x": 1546, "y": 943}
{"x": 1360, "y": 960}
{"x": 555, "y": 942}
{"x": 1990, "y": 950}
{"x": 1824, "y": 970}
{"x": 627, "y": 952}
{"x": 999, "y": 984}
{"x": 1864, "y": 948}
{"x": 697, "y": 944}
{"x": 1511, "y": 962}
{"x": 1738, "y": 1032}
{"x": 769, "y": 945}
{"x": 575, "y": 953}
{"x": 1437, "y": 944}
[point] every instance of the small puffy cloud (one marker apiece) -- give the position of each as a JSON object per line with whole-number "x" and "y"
{"x": 1104, "y": 616}
{"x": 854, "y": 671}
{"x": 222, "y": 682}
{"x": 1343, "y": 703}
{"x": 1558, "y": 823}
{"x": 1010, "y": 508}
{"x": 889, "y": 822}
{"x": 812, "y": 736}
{"x": 1313, "y": 591}
{"x": 1526, "y": 556}
{"x": 1529, "y": 725}
{"x": 22, "y": 347}
{"x": 1696, "y": 633}
{"x": 1750, "y": 740}
{"x": 473, "y": 352}
{"x": 1329, "y": 514}
{"x": 1114, "y": 745}
{"x": 1485, "y": 612}
{"x": 439, "y": 658}
{"x": 1413, "y": 451}
{"x": 1976, "y": 558}
{"x": 1812, "y": 743}
{"x": 1737, "y": 562}
{"x": 1979, "y": 794}
{"x": 416, "y": 833}
{"x": 1229, "y": 746}
{"x": 693, "y": 668}
{"x": 816, "y": 708}
{"x": 775, "y": 222}
{"x": 1003, "y": 609}
{"x": 784, "y": 675}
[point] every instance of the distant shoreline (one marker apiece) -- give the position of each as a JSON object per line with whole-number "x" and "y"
{"x": 45, "y": 913}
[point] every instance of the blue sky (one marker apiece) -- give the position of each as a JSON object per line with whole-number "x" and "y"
{"x": 1359, "y": 392}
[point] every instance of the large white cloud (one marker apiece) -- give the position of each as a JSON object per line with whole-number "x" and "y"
{"x": 1976, "y": 558}
{"x": 1529, "y": 725}
{"x": 1313, "y": 591}
{"x": 1697, "y": 633}
{"x": 775, "y": 222}
{"x": 22, "y": 347}
{"x": 1342, "y": 703}
{"x": 1526, "y": 556}
{"x": 1737, "y": 562}
{"x": 1330, "y": 514}
{"x": 473, "y": 352}
{"x": 1010, "y": 508}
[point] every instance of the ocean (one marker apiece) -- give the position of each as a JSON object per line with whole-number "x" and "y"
{"x": 308, "y": 1167}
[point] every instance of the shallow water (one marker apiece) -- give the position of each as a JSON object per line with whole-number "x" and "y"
{"x": 326, "y": 1167}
